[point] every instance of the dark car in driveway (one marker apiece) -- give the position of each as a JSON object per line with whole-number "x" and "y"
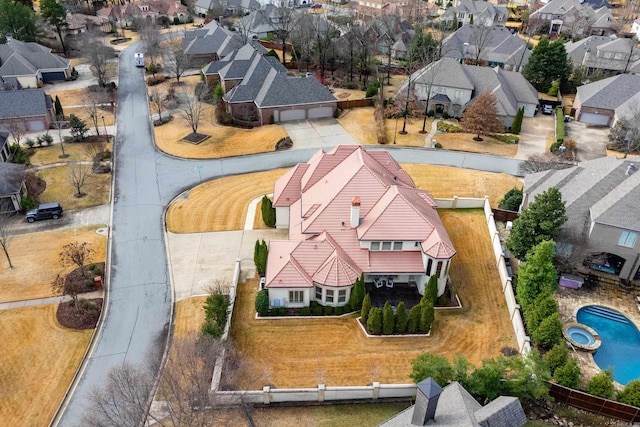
{"x": 44, "y": 211}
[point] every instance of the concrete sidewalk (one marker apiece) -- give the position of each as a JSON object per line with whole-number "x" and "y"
{"x": 46, "y": 301}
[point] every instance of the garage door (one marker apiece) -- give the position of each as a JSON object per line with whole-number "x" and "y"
{"x": 316, "y": 113}
{"x": 53, "y": 76}
{"x": 292, "y": 115}
{"x": 35, "y": 125}
{"x": 595, "y": 119}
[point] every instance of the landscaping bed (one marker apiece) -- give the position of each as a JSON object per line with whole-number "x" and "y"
{"x": 85, "y": 318}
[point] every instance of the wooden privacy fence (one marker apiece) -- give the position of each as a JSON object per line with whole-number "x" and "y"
{"x": 353, "y": 103}
{"x": 503, "y": 215}
{"x": 598, "y": 405}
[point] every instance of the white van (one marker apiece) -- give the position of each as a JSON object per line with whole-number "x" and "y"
{"x": 139, "y": 59}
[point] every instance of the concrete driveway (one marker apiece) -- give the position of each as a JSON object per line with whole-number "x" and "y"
{"x": 317, "y": 133}
{"x": 591, "y": 141}
{"x": 534, "y": 133}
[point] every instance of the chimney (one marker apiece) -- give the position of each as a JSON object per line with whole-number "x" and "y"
{"x": 355, "y": 212}
{"x": 426, "y": 402}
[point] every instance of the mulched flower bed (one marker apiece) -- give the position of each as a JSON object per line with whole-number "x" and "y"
{"x": 85, "y": 318}
{"x": 86, "y": 283}
{"x": 195, "y": 138}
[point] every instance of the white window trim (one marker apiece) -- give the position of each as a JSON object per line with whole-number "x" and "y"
{"x": 628, "y": 239}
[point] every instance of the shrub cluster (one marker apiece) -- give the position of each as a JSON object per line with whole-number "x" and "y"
{"x": 216, "y": 309}
{"x": 260, "y": 254}
{"x": 152, "y": 81}
{"x": 506, "y": 138}
{"x": 448, "y": 127}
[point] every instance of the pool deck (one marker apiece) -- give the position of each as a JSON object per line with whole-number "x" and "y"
{"x": 613, "y": 296}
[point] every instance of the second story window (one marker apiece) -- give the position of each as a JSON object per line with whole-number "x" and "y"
{"x": 628, "y": 239}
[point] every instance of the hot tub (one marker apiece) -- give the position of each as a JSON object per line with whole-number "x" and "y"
{"x": 581, "y": 336}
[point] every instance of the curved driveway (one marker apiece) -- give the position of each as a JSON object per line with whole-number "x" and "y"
{"x": 139, "y": 308}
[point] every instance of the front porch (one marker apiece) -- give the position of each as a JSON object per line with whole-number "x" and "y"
{"x": 407, "y": 292}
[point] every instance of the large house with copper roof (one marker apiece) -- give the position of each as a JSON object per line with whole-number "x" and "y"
{"x": 351, "y": 212}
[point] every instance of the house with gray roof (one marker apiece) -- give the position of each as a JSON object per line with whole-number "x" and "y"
{"x": 258, "y": 88}
{"x": 228, "y": 7}
{"x": 5, "y": 154}
{"x": 451, "y": 86}
{"x": 453, "y": 406}
{"x": 31, "y": 108}
{"x": 604, "y": 102}
{"x": 12, "y": 187}
{"x": 575, "y": 18}
{"x": 209, "y": 43}
{"x": 492, "y": 46}
{"x": 476, "y": 12}
{"x": 605, "y": 54}
{"x": 602, "y": 198}
{"x": 31, "y": 63}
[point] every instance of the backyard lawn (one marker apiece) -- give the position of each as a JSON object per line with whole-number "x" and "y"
{"x": 220, "y": 204}
{"x": 60, "y": 189}
{"x": 38, "y": 361}
{"x": 49, "y": 155}
{"x": 305, "y": 352}
{"x": 35, "y": 260}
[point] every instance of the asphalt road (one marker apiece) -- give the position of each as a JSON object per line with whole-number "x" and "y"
{"x": 138, "y": 316}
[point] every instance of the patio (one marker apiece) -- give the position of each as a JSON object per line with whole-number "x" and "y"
{"x": 407, "y": 292}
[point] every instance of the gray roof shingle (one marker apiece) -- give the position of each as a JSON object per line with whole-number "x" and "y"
{"x": 10, "y": 178}
{"x": 610, "y": 93}
{"x": 23, "y": 103}
{"x": 26, "y": 58}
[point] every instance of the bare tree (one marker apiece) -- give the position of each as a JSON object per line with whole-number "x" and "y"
{"x": 542, "y": 162}
{"x": 78, "y": 174}
{"x": 175, "y": 60}
{"x": 95, "y": 151}
{"x": 193, "y": 107}
{"x": 303, "y": 35}
{"x": 6, "y": 234}
{"x": 284, "y": 22}
{"x": 59, "y": 125}
{"x": 17, "y": 127}
{"x": 481, "y": 117}
{"x": 99, "y": 56}
{"x": 479, "y": 41}
{"x": 91, "y": 103}
{"x": 78, "y": 254}
{"x": 157, "y": 99}
{"x": 150, "y": 34}
{"x": 71, "y": 288}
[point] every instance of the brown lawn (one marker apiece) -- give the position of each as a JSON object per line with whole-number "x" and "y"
{"x": 69, "y": 97}
{"x": 50, "y": 155}
{"x": 359, "y": 122}
{"x": 391, "y": 89}
{"x": 38, "y": 359}
{"x": 446, "y": 182}
{"x": 258, "y": 223}
{"x": 60, "y": 189}
{"x": 35, "y": 258}
{"x": 189, "y": 316}
{"x": 347, "y": 94}
{"x": 413, "y": 138}
{"x": 220, "y": 204}
{"x": 305, "y": 352}
{"x": 224, "y": 141}
{"x": 85, "y": 115}
{"x": 459, "y": 141}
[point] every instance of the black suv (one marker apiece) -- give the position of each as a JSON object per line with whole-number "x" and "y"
{"x": 44, "y": 211}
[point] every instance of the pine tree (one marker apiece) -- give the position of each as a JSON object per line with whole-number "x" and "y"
{"x": 78, "y": 127}
{"x": 374, "y": 321}
{"x": 401, "y": 318}
{"x": 537, "y": 275}
{"x": 357, "y": 293}
{"x": 516, "y": 126}
{"x": 268, "y": 212}
{"x": 366, "y": 308}
{"x": 388, "y": 320}
{"x": 481, "y": 117}
{"x": 432, "y": 290}
{"x": 414, "y": 319}
{"x": 548, "y": 62}
{"x": 58, "y": 109}
{"x": 427, "y": 314}
{"x": 256, "y": 254}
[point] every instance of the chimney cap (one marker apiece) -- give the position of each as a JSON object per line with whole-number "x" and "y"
{"x": 355, "y": 201}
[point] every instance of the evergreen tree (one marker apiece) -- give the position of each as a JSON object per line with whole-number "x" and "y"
{"x": 18, "y": 20}
{"x": 601, "y": 384}
{"x": 631, "y": 394}
{"x": 388, "y": 320}
{"x": 427, "y": 314}
{"x": 454, "y": 22}
{"x": 366, "y": 308}
{"x": 568, "y": 375}
{"x": 549, "y": 332}
{"x": 262, "y": 302}
{"x": 401, "y": 318}
{"x": 261, "y": 261}
{"x": 516, "y": 126}
{"x": 55, "y": 14}
{"x": 268, "y": 212}
{"x": 481, "y": 117}
{"x": 556, "y": 357}
{"x": 548, "y": 62}
{"x": 540, "y": 221}
{"x": 543, "y": 306}
{"x": 511, "y": 200}
{"x": 537, "y": 275}
{"x": 431, "y": 293}
{"x": 357, "y": 294}
{"x": 374, "y": 321}
{"x": 78, "y": 127}
{"x": 430, "y": 365}
{"x": 256, "y": 254}
{"x": 414, "y": 319}
{"x": 58, "y": 109}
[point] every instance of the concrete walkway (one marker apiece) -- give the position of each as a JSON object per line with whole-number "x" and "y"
{"x": 432, "y": 133}
{"x": 47, "y": 301}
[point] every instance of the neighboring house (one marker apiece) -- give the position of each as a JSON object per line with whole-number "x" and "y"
{"x": 476, "y": 12}
{"x": 350, "y": 212}
{"x": 453, "y": 406}
{"x": 574, "y": 18}
{"x": 12, "y": 188}
{"x": 451, "y": 87}
{"x": 161, "y": 12}
{"x": 606, "y": 54}
{"x": 258, "y": 24}
{"x": 604, "y": 102}
{"x": 380, "y": 34}
{"x": 602, "y": 198}
{"x": 78, "y": 23}
{"x": 258, "y": 89}
{"x": 31, "y": 108}
{"x": 365, "y": 10}
{"x": 635, "y": 29}
{"x": 226, "y": 7}
{"x": 31, "y": 63}
{"x": 493, "y": 46}
{"x": 209, "y": 43}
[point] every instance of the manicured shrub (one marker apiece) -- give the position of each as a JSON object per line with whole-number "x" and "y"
{"x": 268, "y": 212}
{"x": 401, "y": 318}
{"x": 549, "y": 332}
{"x": 216, "y": 308}
{"x": 441, "y": 301}
{"x": 317, "y": 311}
{"x": 429, "y": 365}
{"x": 601, "y": 384}
{"x": 568, "y": 375}
{"x": 631, "y": 394}
{"x": 336, "y": 113}
{"x": 27, "y": 203}
{"x": 372, "y": 90}
{"x": 431, "y": 113}
{"x": 556, "y": 357}
{"x": 30, "y": 142}
{"x": 282, "y": 311}
{"x": 431, "y": 293}
{"x": 347, "y": 308}
{"x": 337, "y": 311}
{"x": 388, "y": 320}
{"x": 366, "y": 308}
{"x": 445, "y": 115}
{"x": 512, "y": 200}
{"x": 357, "y": 293}
{"x": 314, "y": 304}
{"x": 328, "y": 310}
{"x": 516, "y": 126}
{"x": 427, "y": 314}
{"x": 262, "y": 302}
{"x": 414, "y": 319}
{"x": 437, "y": 145}
{"x": 45, "y": 139}
{"x": 306, "y": 311}
{"x": 543, "y": 306}
{"x": 374, "y": 321}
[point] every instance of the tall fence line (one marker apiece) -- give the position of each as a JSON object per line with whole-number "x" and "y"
{"x": 323, "y": 393}
{"x": 353, "y": 103}
{"x": 595, "y": 404}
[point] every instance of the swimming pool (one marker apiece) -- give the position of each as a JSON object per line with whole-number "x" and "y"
{"x": 620, "y": 347}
